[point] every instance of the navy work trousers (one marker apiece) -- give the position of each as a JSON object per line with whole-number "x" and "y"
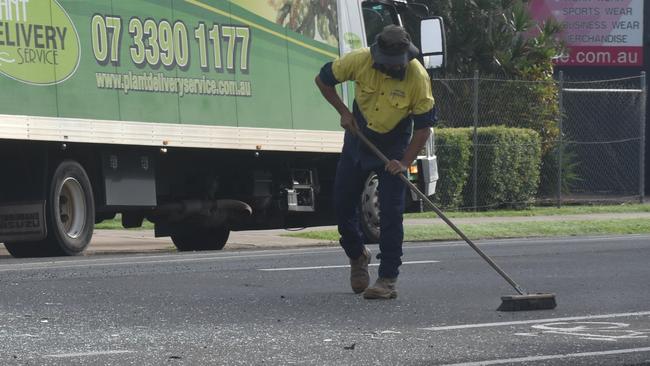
{"x": 353, "y": 169}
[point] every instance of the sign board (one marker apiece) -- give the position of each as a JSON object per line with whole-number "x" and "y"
{"x": 597, "y": 32}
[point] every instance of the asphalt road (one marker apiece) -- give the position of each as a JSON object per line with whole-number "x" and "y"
{"x": 294, "y": 306}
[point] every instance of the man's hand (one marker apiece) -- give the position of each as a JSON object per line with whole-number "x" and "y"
{"x": 418, "y": 140}
{"x": 349, "y": 123}
{"x": 395, "y": 167}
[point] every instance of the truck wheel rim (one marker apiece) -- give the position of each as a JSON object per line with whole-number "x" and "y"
{"x": 72, "y": 208}
{"x": 370, "y": 201}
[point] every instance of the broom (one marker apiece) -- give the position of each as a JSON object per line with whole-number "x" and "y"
{"x": 523, "y": 300}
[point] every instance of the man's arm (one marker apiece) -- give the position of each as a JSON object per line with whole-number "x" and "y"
{"x": 330, "y": 94}
{"x": 418, "y": 140}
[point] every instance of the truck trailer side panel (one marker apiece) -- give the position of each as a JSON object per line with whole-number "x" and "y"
{"x": 187, "y": 73}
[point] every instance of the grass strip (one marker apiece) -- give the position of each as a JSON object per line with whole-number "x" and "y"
{"x": 539, "y": 211}
{"x": 508, "y": 230}
{"x": 116, "y": 223}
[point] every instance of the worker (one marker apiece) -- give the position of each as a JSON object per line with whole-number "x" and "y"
{"x": 394, "y": 108}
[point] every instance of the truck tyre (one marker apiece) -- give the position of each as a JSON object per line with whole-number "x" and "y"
{"x": 201, "y": 238}
{"x": 70, "y": 215}
{"x": 369, "y": 210}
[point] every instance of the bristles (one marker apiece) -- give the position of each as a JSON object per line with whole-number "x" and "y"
{"x": 527, "y": 302}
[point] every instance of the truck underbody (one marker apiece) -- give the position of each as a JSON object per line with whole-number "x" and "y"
{"x": 187, "y": 193}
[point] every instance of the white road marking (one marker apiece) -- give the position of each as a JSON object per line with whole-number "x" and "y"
{"x": 603, "y": 331}
{"x": 599, "y": 339}
{"x": 143, "y": 259}
{"x": 200, "y": 255}
{"x": 535, "y": 321}
{"x": 104, "y": 263}
{"x": 337, "y": 266}
{"x": 86, "y": 354}
{"x": 552, "y": 357}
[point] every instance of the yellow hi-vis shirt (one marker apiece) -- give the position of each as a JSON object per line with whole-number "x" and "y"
{"x": 384, "y": 101}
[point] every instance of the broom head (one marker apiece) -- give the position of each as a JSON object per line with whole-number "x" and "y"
{"x": 540, "y": 301}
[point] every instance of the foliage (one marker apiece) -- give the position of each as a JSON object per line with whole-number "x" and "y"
{"x": 549, "y": 175}
{"x": 509, "y": 165}
{"x": 453, "y": 148}
{"x": 522, "y": 104}
{"x": 497, "y": 37}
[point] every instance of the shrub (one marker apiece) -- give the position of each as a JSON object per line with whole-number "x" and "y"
{"x": 453, "y": 148}
{"x": 508, "y": 167}
{"x": 549, "y": 172}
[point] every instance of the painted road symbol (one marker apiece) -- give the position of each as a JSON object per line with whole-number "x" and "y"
{"x": 601, "y": 331}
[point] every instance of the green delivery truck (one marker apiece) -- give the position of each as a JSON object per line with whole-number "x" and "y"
{"x": 200, "y": 116}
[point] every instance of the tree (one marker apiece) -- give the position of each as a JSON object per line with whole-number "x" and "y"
{"x": 500, "y": 39}
{"x": 497, "y": 37}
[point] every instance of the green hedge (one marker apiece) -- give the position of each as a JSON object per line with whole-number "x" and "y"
{"x": 508, "y": 166}
{"x": 453, "y": 149}
{"x": 509, "y": 161}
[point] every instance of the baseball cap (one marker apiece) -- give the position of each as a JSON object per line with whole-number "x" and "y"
{"x": 393, "y": 46}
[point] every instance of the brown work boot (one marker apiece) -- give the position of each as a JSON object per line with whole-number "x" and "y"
{"x": 384, "y": 288}
{"x": 359, "y": 277}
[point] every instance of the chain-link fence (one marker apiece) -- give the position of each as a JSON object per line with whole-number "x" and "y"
{"x": 592, "y": 136}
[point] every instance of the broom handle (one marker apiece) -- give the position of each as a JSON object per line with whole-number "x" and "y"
{"x": 426, "y": 199}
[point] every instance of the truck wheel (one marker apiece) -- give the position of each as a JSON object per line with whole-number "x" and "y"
{"x": 369, "y": 210}
{"x": 203, "y": 238}
{"x": 70, "y": 215}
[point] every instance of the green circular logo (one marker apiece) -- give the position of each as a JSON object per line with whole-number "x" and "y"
{"x": 39, "y": 44}
{"x": 352, "y": 40}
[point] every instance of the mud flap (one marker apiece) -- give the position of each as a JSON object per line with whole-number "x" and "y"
{"x": 22, "y": 222}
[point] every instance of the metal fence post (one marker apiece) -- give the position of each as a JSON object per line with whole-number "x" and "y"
{"x": 644, "y": 94}
{"x": 559, "y": 145}
{"x": 475, "y": 142}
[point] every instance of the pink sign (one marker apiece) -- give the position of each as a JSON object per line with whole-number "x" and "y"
{"x": 597, "y": 32}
